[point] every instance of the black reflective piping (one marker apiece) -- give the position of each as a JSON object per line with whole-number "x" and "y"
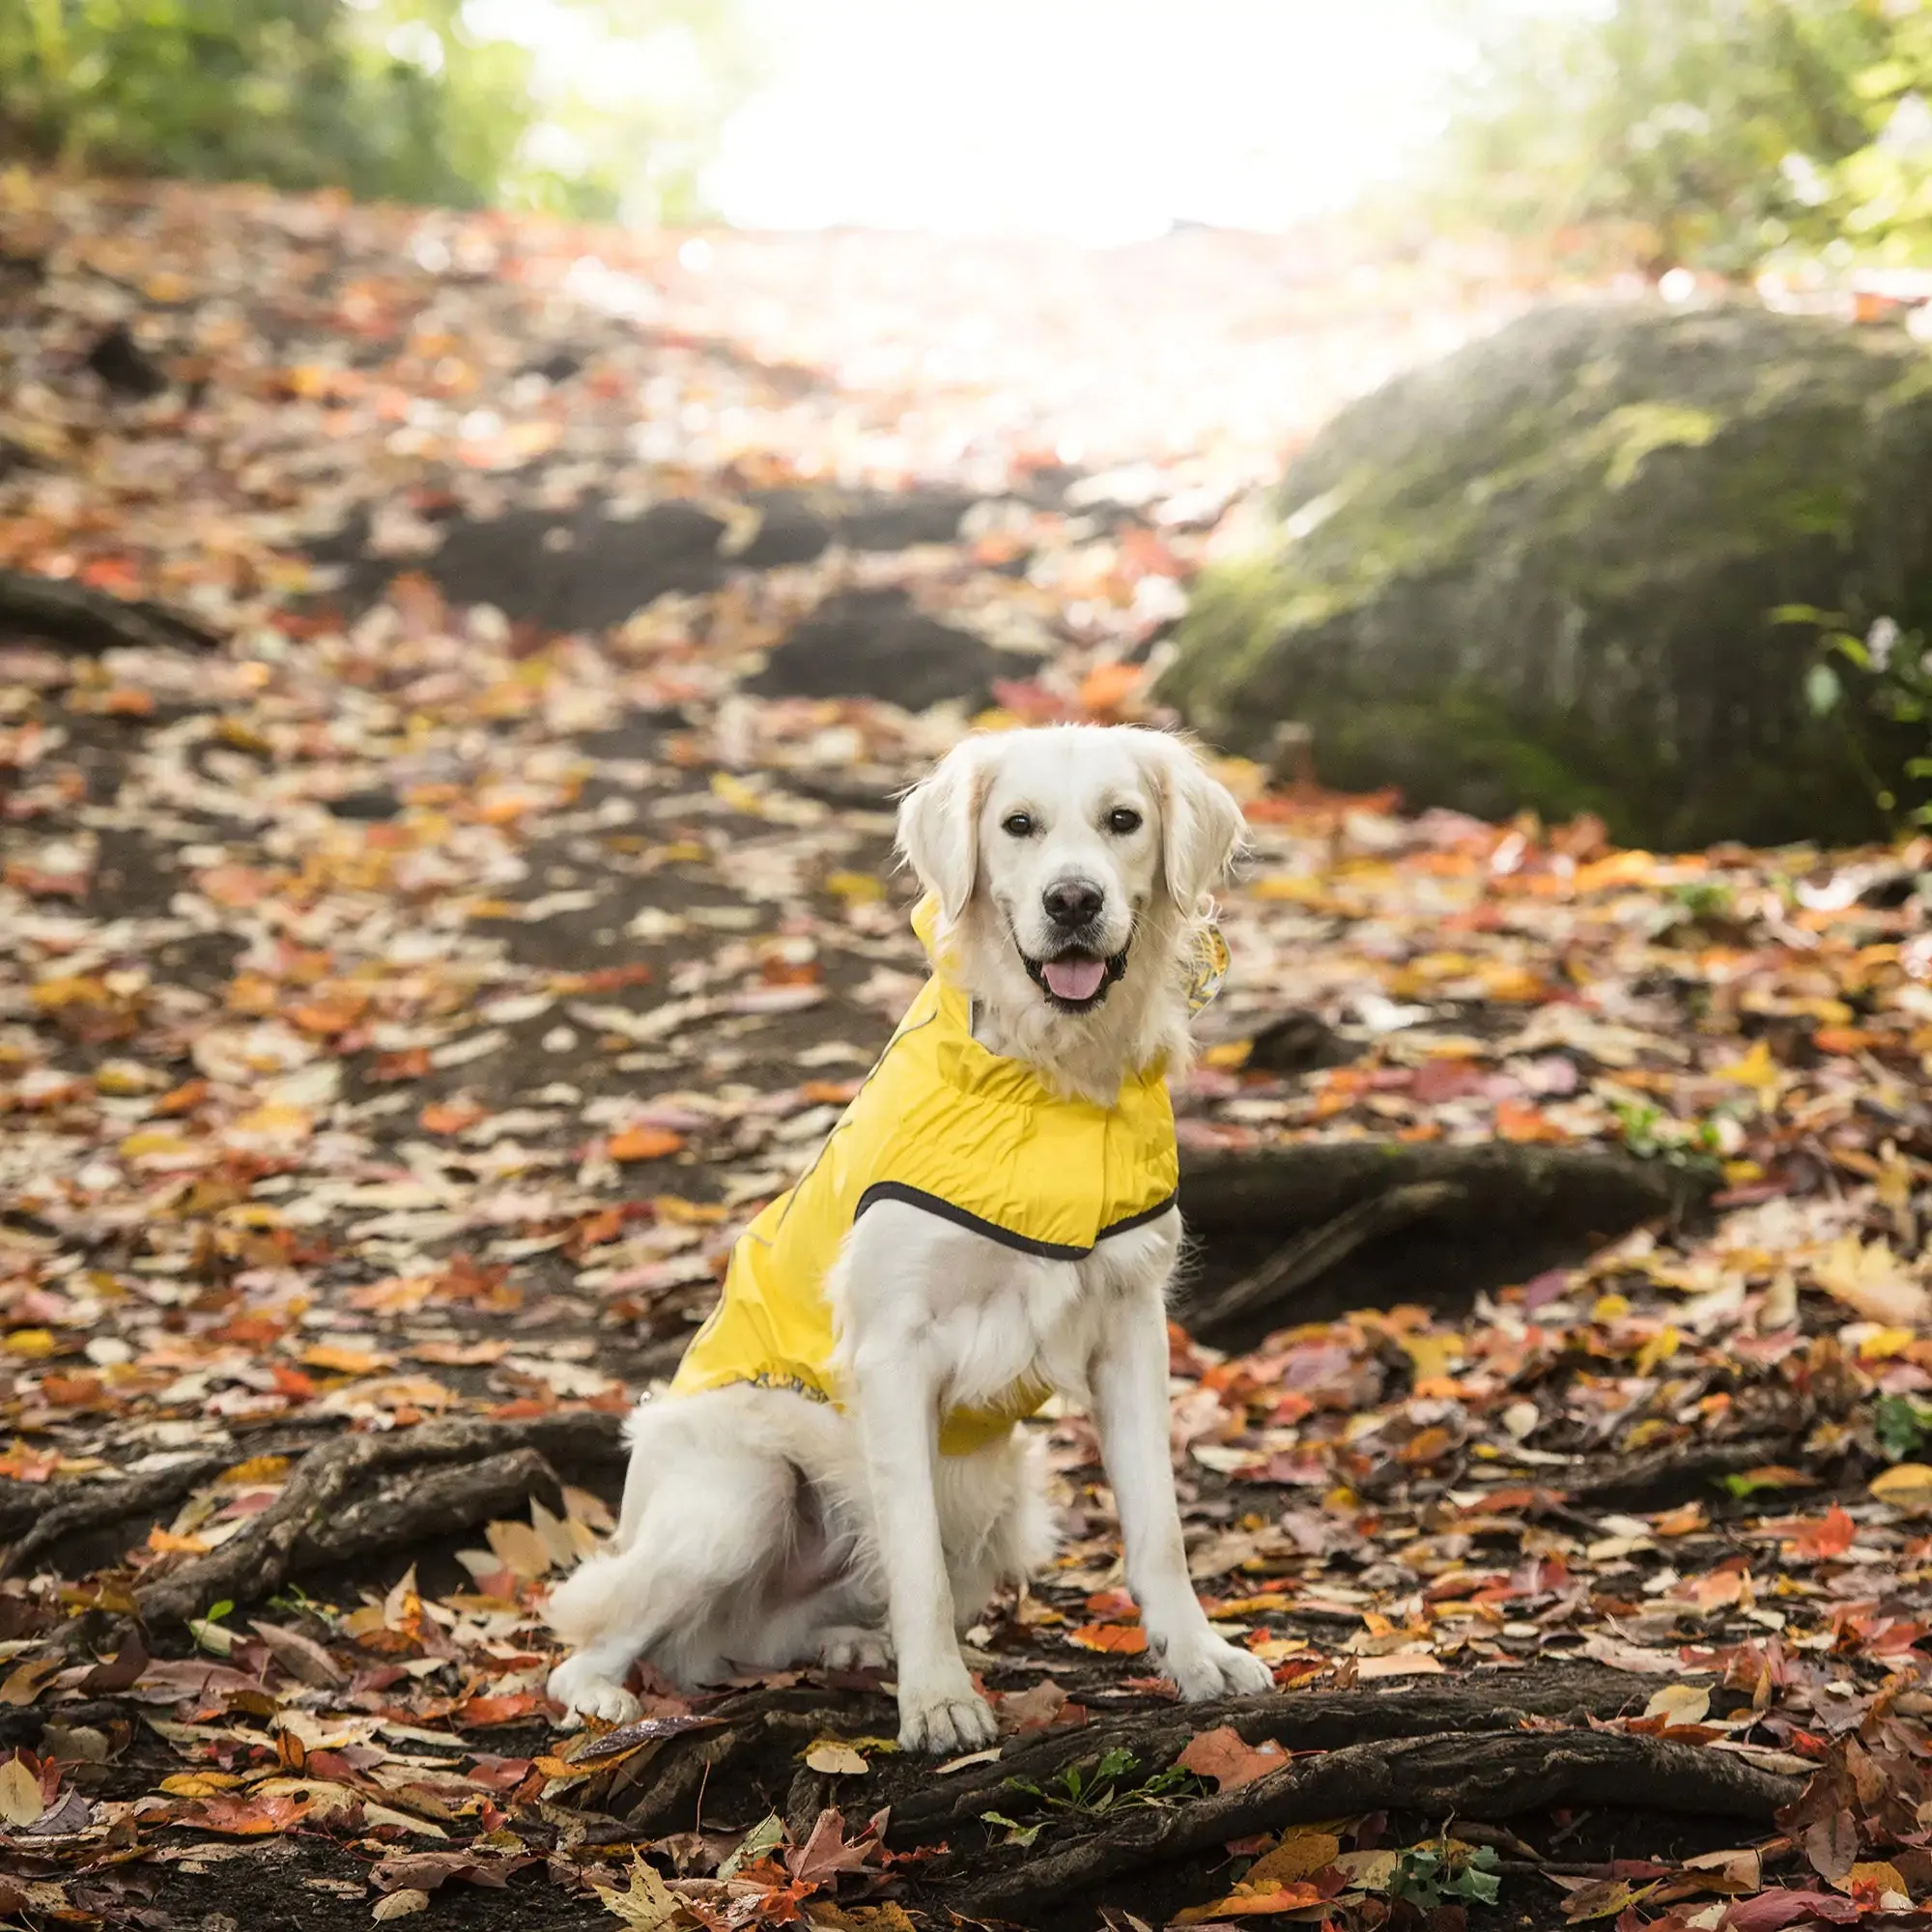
{"x": 960, "y": 1217}
{"x": 1162, "y": 1207}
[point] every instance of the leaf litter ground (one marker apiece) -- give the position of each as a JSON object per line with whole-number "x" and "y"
{"x": 408, "y": 1000}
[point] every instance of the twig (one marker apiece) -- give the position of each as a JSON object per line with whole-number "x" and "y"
{"x": 1310, "y": 1256}
{"x": 1499, "y": 1775}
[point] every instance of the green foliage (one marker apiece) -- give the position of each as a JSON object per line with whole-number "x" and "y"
{"x": 1092, "y": 1788}
{"x": 421, "y": 101}
{"x": 1891, "y": 673}
{"x": 1714, "y": 134}
{"x": 1432, "y": 1875}
{"x": 1902, "y": 1426}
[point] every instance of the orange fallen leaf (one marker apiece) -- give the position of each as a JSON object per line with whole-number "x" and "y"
{"x": 1246, "y": 1903}
{"x": 450, "y": 1117}
{"x": 1108, "y": 686}
{"x": 1123, "y": 1640}
{"x": 644, "y": 1144}
{"x": 1223, "y": 1757}
{"x": 480, "y": 1712}
{"x": 248, "y": 1817}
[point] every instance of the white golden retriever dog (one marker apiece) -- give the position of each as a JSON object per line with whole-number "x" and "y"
{"x": 825, "y": 1516}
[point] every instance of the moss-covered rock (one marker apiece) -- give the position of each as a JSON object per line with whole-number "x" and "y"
{"x": 1545, "y": 571}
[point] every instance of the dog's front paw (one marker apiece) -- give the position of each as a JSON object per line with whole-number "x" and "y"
{"x": 1204, "y": 1665}
{"x": 584, "y": 1691}
{"x": 948, "y": 1715}
{"x": 853, "y": 1647}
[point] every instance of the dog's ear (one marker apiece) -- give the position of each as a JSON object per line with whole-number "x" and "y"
{"x": 939, "y": 828}
{"x": 1201, "y": 826}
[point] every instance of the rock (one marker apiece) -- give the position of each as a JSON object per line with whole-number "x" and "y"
{"x": 1543, "y": 573}
{"x": 877, "y": 644}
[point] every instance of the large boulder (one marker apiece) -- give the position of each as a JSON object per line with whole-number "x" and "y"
{"x": 1547, "y": 572}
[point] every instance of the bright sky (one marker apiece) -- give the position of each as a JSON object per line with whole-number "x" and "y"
{"x": 1100, "y": 120}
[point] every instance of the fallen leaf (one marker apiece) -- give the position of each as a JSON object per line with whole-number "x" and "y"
{"x": 404, "y": 1904}
{"x": 1221, "y": 1756}
{"x": 1906, "y": 1486}
{"x": 1300, "y": 1855}
{"x": 1399, "y": 1663}
{"x": 1680, "y": 1704}
{"x": 644, "y": 1143}
{"x": 835, "y": 1759}
{"x": 1121, "y": 1639}
{"x": 20, "y": 1800}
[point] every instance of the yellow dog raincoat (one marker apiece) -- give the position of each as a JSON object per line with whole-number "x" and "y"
{"x": 980, "y": 1140}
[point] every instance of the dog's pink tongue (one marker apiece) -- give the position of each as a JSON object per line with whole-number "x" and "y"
{"x": 1074, "y": 978}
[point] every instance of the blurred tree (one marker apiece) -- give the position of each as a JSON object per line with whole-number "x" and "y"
{"x": 576, "y": 105}
{"x": 1707, "y": 133}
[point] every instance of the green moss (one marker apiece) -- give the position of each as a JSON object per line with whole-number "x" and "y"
{"x": 1541, "y": 574}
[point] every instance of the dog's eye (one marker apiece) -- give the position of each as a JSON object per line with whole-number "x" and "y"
{"x": 1018, "y": 824}
{"x": 1123, "y": 819}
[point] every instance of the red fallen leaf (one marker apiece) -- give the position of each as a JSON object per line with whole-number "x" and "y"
{"x": 1123, "y": 1640}
{"x": 1831, "y": 1537}
{"x": 1769, "y": 1911}
{"x": 1222, "y": 1756}
{"x": 480, "y": 1712}
{"x": 1516, "y": 1121}
{"x": 290, "y": 1382}
{"x": 825, "y": 1853}
{"x": 247, "y": 1817}
{"x": 644, "y": 1143}
{"x": 412, "y": 1063}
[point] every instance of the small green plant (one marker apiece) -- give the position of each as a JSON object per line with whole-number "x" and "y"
{"x": 1893, "y": 666}
{"x": 1092, "y": 1788}
{"x": 1702, "y": 903}
{"x": 1432, "y": 1875}
{"x": 1902, "y": 1424}
{"x": 1651, "y": 1134}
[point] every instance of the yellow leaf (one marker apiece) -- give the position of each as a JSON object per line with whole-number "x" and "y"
{"x": 1680, "y": 1704}
{"x": 1297, "y": 888}
{"x": 277, "y": 1120}
{"x": 854, "y": 888}
{"x": 1871, "y": 1281}
{"x": 199, "y": 1783}
{"x": 19, "y": 1793}
{"x": 1907, "y": 1487}
{"x": 519, "y": 1548}
{"x": 646, "y": 1904}
{"x": 404, "y": 1904}
{"x": 1756, "y": 1070}
{"x": 1399, "y": 1663}
{"x": 1301, "y": 1854}
{"x": 345, "y": 1361}
{"x": 151, "y": 1141}
{"x": 835, "y": 1759}
{"x": 1230, "y": 1056}
{"x": 36, "y": 1343}
{"x": 1431, "y": 1354}
{"x": 1657, "y": 1350}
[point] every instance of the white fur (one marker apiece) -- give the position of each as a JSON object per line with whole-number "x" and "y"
{"x": 760, "y": 1529}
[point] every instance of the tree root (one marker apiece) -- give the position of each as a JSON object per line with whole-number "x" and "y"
{"x": 1301, "y": 1721}
{"x": 1490, "y": 1775}
{"x": 1310, "y": 1256}
{"x": 1276, "y": 1221}
{"x": 42, "y": 1518}
{"x": 90, "y": 620}
{"x": 337, "y": 1505}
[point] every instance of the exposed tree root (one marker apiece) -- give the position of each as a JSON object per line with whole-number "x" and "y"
{"x": 1309, "y": 1256}
{"x": 1279, "y": 1221}
{"x": 1488, "y": 1775}
{"x": 42, "y": 1518}
{"x": 90, "y": 620}
{"x": 1300, "y": 1721}
{"x": 440, "y": 1476}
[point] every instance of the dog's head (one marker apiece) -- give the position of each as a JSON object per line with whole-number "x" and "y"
{"x": 1055, "y": 853}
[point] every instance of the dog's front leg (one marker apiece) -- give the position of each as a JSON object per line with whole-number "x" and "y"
{"x": 897, "y": 1409}
{"x": 1130, "y": 1407}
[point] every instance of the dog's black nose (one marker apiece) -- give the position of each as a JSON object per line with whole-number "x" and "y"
{"x": 1073, "y": 903}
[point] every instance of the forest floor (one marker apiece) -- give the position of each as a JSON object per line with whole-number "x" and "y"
{"x": 454, "y": 674}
